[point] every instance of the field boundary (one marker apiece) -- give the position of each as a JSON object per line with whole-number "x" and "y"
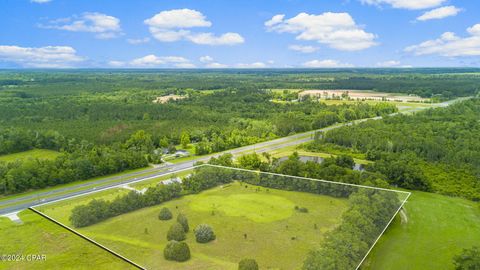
{"x": 231, "y": 168}
{"x": 88, "y": 239}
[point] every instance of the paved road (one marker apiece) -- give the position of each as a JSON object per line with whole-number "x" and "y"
{"x": 23, "y": 202}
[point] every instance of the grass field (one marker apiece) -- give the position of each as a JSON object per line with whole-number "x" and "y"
{"x": 63, "y": 249}
{"x": 267, "y": 217}
{"x": 438, "y": 228}
{"x": 34, "y": 153}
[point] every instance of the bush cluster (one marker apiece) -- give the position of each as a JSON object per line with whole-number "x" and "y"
{"x": 176, "y": 251}
{"x": 165, "y": 214}
{"x": 204, "y": 233}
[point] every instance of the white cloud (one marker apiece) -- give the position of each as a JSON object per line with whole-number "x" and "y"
{"x": 328, "y": 63}
{"x": 206, "y": 59}
{"x": 45, "y": 57}
{"x": 138, "y": 40}
{"x": 336, "y": 30}
{"x": 178, "y": 18}
{"x": 175, "y": 25}
{"x": 439, "y": 13}
{"x": 406, "y": 4}
{"x": 215, "y": 65}
{"x": 156, "y": 61}
{"x": 390, "y": 63}
{"x": 211, "y": 39}
{"x": 252, "y": 65}
{"x": 450, "y": 45}
{"x": 104, "y": 26}
{"x": 303, "y": 49}
{"x": 40, "y": 1}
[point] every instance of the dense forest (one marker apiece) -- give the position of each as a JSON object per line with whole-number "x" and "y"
{"x": 109, "y": 106}
{"x": 437, "y": 150}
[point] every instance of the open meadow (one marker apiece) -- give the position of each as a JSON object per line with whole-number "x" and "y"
{"x": 63, "y": 250}
{"x": 436, "y": 229}
{"x": 249, "y": 221}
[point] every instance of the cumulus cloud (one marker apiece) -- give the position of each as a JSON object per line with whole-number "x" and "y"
{"x": 136, "y": 41}
{"x": 211, "y": 39}
{"x": 104, "y": 26}
{"x": 406, "y": 4}
{"x": 439, "y": 13}
{"x": 303, "y": 49}
{"x": 151, "y": 60}
{"x": 206, "y": 59}
{"x": 450, "y": 45}
{"x": 175, "y": 25}
{"x": 40, "y": 1}
{"x": 41, "y": 57}
{"x": 327, "y": 63}
{"x": 336, "y": 30}
{"x": 210, "y": 62}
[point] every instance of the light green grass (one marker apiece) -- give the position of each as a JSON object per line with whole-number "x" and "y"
{"x": 256, "y": 207}
{"x": 34, "y": 153}
{"x": 63, "y": 249}
{"x": 438, "y": 228}
{"x": 141, "y": 236}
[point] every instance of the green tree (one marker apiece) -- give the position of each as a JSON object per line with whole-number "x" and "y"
{"x": 165, "y": 214}
{"x": 185, "y": 139}
{"x": 182, "y": 219}
{"x": 176, "y": 251}
{"x": 176, "y": 233}
{"x": 140, "y": 141}
{"x": 204, "y": 233}
{"x": 247, "y": 264}
{"x": 164, "y": 142}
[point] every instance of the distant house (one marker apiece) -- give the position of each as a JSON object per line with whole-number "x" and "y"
{"x": 182, "y": 153}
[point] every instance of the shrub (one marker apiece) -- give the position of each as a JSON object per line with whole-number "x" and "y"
{"x": 176, "y": 251}
{"x": 248, "y": 264}
{"x": 182, "y": 219}
{"x": 176, "y": 233}
{"x": 204, "y": 233}
{"x": 469, "y": 259}
{"x": 165, "y": 214}
{"x": 301, "y": 209}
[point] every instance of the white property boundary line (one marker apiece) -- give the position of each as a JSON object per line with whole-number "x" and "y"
{"x": 230, "y": 168}
{"x": 383, "y": 231}
{"x": 87, "y": 238}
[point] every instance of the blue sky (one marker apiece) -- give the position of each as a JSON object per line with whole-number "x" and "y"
{"x": 233, "y": 33}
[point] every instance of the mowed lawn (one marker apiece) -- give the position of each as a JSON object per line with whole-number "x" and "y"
{"x": 63, "y": 249}
{"x": 438, "y": 228}
{"x": 34, "y": 153}
{"x": 277, "y": 236}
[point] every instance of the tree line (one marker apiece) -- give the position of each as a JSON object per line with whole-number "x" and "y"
{"x": 436, "y": 150}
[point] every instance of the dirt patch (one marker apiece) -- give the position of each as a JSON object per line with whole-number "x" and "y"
{"x": 360, "y": 95}
{"x": 165, "y": 99}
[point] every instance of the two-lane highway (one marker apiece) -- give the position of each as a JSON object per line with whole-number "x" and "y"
{"x": 18, "y": 203}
